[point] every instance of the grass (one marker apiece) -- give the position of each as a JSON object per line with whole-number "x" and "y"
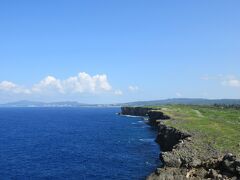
{"x": 219, "y": 127}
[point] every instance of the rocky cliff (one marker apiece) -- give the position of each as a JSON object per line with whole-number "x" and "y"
{"x": 181, "y": 157}
{"x": 154, "y": 116}
{"x": 135, "y": 111}
{"x": 168, "y": 137}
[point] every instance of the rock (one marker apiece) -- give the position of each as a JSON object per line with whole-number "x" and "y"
{"x": 220, "y": 176}
{"x": 201, "y": 172}
{"x": 212, "y": 164}
{"x": 171, "y": 160}
{"x": 213, "y": 174}
{"x": 228, "y": 164}
{"x": 196, "y": 163}
{"x": 158, "y": 171}
{"x": 180, "y": 141}
{"x": 169, "y": 174}
{"x": 237, "y": 164}
{"x": 229, "y": 157}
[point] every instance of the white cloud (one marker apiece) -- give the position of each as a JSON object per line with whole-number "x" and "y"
{"x": 229, "y": 80}
{"x": 118, "y": 92}
{"x": 178, "y": 94}
{"x": 232, "y": 82}
{"x": 8, "y": 86}
{"x": 133, "y": 88}
{"x": 86, "y": 83}
{"x": 47, "y": 84}
{"x": 82, "y": 83}
{"x": 207, "y": 77}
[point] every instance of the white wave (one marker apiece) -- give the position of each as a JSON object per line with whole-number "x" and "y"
{"x": 131, "y": 116}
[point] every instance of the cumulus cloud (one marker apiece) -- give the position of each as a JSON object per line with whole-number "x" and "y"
{"x": 86, "y": 83}
{"x": 47, "y": 84}
{"x": 8, "y": 86}
{"x": 82, "y": 83}
{"x": 133, "y": 88}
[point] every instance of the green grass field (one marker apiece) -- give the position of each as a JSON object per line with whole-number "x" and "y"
{"x": 219, "y": 127}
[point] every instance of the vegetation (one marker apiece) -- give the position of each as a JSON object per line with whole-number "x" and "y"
{"x": 184, "y": 101}
{"x": 218, "y": 125}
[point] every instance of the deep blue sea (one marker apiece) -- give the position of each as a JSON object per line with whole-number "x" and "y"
{"x": 75, "y": 144}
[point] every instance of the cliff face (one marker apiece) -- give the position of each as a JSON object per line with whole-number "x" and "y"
{"x": 168, "y": 137}
{"x": 135, "y": 111}
{"x": 155, "y": 116}
{"x": 152, "y": 113}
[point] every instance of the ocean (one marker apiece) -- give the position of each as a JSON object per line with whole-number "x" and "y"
{"x": 75, "y": 144}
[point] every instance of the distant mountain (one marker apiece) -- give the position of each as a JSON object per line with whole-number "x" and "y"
{"x": 190, "y": 101}
{"x": 43, "y": 104}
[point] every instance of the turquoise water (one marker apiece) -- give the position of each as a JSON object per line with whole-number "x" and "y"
{"x": 75, "y": 143}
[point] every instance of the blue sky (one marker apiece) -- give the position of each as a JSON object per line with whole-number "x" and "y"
{"x": 118, "y": 51}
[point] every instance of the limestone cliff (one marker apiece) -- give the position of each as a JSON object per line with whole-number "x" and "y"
{"x": 135, "y": 111}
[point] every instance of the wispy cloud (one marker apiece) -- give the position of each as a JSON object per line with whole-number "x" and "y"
{"x": 207, "y": 77}
{"x": 231, "y": 82}
{"x": 133, "y": 88}
{"x": 118, "y": 92}
{"x": 82, "y": 83}
{"x": 225, "y": 80}
{"x": 178, "y": 94}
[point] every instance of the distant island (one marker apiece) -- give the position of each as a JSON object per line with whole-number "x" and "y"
{"x": 183, "y": 101}
{"x": 48, "y": 104}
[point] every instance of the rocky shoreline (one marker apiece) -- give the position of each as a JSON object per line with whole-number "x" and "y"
{"x": 181, "y": 157}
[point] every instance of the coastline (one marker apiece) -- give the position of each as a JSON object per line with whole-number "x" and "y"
{"x": 181, "y": 157}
